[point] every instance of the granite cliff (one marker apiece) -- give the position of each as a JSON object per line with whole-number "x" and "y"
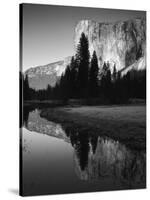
{"x": 122, "y": 43}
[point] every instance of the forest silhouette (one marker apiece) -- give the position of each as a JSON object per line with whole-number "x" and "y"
{"x": 82, "y": 80}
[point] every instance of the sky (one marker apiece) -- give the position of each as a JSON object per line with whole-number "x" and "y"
{"x": 48, "y": 30}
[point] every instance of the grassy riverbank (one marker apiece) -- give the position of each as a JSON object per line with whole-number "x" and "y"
{"x": 124, "y": 123}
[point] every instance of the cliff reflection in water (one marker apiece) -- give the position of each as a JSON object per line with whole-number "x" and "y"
{"x": 95, "y": 158}
{"x": 111, "y": 160}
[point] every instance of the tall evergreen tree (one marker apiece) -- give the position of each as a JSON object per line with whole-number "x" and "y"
{"x": 73, "y": 78}
{"x": 108, "y": 84}
{"x": 26, "y": 89}
{"x": 114, "y": 74}
{"x": 83, "y": 56}
{"x": 93, "y": 76}
{"x": 64, "y": 87}
{"x": 106, "y": 81}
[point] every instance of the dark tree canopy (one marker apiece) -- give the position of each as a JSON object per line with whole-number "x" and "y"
{"x": 83, "y": 57}
{"x": 114, "y": 75}
{"x": 93, "y": 76}
{"x": 26, "y": 93}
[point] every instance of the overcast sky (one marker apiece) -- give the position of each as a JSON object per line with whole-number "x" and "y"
{"x": 48, "y": 31}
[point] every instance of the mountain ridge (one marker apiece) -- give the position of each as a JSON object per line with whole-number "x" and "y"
{"x": 41, "y": 76}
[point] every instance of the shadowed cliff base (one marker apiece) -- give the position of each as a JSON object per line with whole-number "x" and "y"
{"x": 124, "y": 123}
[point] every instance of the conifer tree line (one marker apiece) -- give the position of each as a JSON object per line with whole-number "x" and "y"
{"x": 82, "y": 80}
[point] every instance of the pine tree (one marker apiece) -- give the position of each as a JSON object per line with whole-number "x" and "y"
{"x": 49, "y": 92}
{"x": 73, "y": 78}
{"x": 114, "y": 75}
{"x": 93, "y": 76}
{"x": 26, "y": 89}
{"x": 82, "y": 57}
{"x": 106, "y": 84}
{"x": 64, "y": 87}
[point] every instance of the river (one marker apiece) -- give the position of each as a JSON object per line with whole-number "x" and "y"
{"x": 55, "y": 161}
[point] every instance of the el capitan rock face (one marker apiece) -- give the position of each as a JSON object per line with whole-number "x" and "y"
{"x": 121, "y": 43}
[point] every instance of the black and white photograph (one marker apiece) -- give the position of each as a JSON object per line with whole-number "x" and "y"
{"x": 82, "y": 99}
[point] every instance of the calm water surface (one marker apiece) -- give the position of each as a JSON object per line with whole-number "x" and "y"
{"x": 56, "y": 161}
